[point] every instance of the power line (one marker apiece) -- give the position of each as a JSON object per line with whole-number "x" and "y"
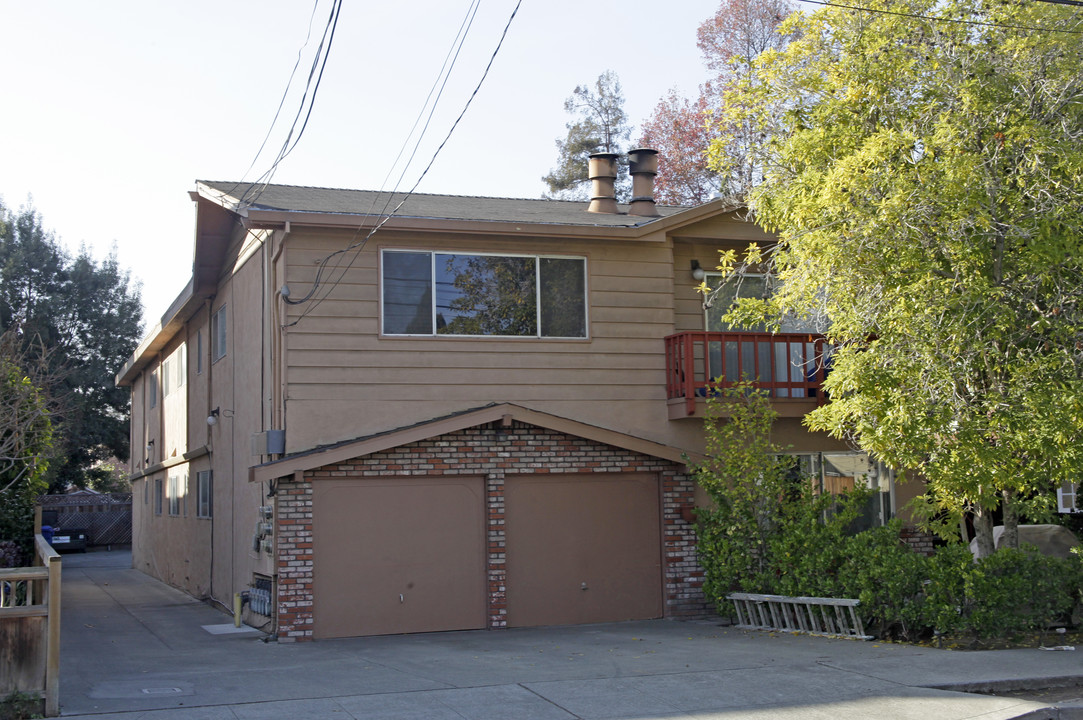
{"x": 319, "y": 64}
{"x": 285, "y": 94}
{"x": 356, "y": 247}
{"x": 954, "y": 20}
{"x": 444, "y": 73}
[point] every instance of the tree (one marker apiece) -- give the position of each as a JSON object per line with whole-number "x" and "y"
{"x": 678, "y": 129}
{"x": 600, "y": 126}
{"x": 25, "y": 442}
{"x": 83, "y": 317}
{"x": 681, "y": 130}
{"x": 923, "y": 168}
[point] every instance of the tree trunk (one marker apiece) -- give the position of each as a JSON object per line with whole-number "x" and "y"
{"x": 983, "y": 533}
{"x": 1011, "y": 520}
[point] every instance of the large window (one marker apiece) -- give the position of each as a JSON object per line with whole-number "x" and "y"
{"x": 204, "y": 494}
{"x": 483, "y": 295}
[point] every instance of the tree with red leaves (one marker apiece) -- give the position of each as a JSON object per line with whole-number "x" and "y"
{"x": 680, "y": 129}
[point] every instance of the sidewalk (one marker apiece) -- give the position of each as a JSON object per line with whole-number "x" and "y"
{"x": 135, "y": 648}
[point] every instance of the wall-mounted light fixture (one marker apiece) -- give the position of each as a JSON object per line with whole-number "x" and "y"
{"x": 212, "y": 419}
{"x": 698, "y": 273}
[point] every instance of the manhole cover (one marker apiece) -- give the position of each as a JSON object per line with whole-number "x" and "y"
{"x": 162, "y": 691}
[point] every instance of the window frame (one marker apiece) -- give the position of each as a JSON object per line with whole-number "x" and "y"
{"x": 219, "y": 334}
{"x": 205, "y": 494}
{"x": 174, "y": 371}
{"x": 538, "y": 296}
{"x": 173, "y": 495}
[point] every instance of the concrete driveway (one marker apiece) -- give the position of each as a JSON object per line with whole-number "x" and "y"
{"x": 135, "y": 648}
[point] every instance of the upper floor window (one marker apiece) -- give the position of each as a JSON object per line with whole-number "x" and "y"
{"x": 152, "y": 390}
{"x": 199, "y": 352}
{"x": 204, "y": 494}
{"x": 747, "y": 286}
{"x": 435, "y": 293}
{"x": 218, "y": 334}
{"x": 174, "y": 370}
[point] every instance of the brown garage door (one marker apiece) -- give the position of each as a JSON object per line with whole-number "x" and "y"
{"x": 583, "y": 548}
{"x": 398, "y": 555}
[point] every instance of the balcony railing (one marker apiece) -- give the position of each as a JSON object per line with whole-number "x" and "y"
{"x": 787, "y": 365}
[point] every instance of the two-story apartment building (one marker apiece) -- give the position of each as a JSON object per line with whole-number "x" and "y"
{"x": 380, "y": 414}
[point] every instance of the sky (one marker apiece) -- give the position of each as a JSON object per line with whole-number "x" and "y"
{"x": 114, "y": 109}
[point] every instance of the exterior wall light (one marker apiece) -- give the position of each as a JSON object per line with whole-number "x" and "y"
{"x": 698, "y": 273}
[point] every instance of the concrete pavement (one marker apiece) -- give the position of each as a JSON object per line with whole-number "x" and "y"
{"x": 135, "y": 648}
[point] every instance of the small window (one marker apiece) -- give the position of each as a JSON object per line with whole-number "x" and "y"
{"x": 199, "y": 352}
{"x": 1066, "y": 498}
{"x": 204, "y": 494}
{"x": 152, "y": 390}
{"x": 427, "y": 293}
{"x": 173, "y": 493}
{"x": 174, "y": 370}
{"x": 218, "y": 334}
{"x": 157, "y": 496}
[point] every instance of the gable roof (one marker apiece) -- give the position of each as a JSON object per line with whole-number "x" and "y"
{"x": 503, "y": 412}
{"x": 249, "y": 200}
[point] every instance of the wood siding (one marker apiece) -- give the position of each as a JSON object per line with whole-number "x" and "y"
{"x": 344, "y": 380}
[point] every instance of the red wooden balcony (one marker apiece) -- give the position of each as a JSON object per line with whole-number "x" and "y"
{"x": 790, "y": 366}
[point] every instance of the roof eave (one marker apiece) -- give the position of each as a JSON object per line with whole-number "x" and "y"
{"x": 299, "y": 463}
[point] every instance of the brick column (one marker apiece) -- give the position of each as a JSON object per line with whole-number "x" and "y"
{"x": 293, "y": 517}
{"x": 497, "y": 550}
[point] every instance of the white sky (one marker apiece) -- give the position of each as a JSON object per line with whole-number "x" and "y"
{"x": 113, "y": 109}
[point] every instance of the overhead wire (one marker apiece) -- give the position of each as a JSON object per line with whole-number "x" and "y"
{"x": 919, "y": 16}
{"x": 282, "y": 101}
{"x": 440, "y": 81}
{"x": 307, "y": 103}
{"x": 357, "y": 246}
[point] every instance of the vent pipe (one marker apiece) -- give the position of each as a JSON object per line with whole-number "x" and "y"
{"x": 603, "y": 178}
{"x": 643, "y": 167}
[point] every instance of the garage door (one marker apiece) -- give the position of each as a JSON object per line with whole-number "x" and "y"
{"x": 583, "y": 548}
{"x": 398, "y": 555}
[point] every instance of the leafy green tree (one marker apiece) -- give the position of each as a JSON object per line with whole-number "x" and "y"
{"x": 25, "y": 443}
{"x": 923, "y": 168}
{"x": 87, "y": 316}
{"x": 600, "y": 125}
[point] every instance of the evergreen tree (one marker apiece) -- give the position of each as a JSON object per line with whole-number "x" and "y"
{"x": 85, "y": 317}
{"x": 600, "y": 125}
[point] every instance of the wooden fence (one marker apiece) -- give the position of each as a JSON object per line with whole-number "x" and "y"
{"x": 106, "y": 518}
{"x": 30, "y": 627}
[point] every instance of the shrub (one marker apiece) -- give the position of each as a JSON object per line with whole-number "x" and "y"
{"x": 771, "y": 533}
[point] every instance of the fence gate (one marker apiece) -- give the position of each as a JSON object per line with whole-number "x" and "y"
{"x": 107, "y": 518}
